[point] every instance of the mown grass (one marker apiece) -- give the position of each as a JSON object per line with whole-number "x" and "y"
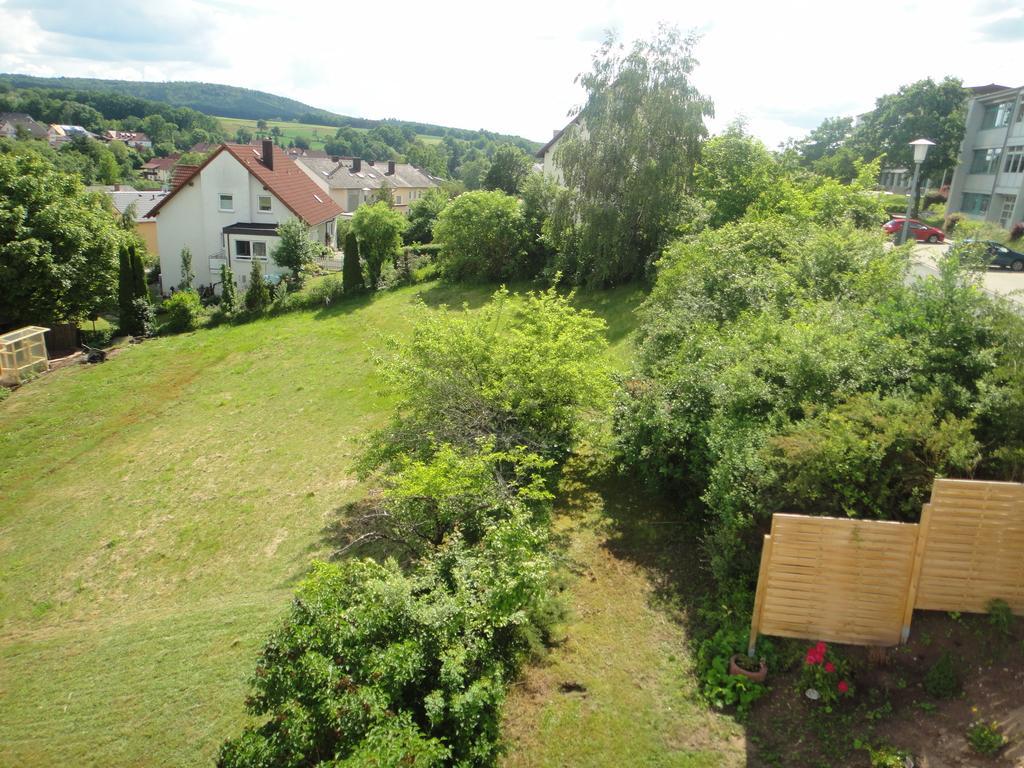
{"x": 158, "y": 510}
{"x": 618, "y": 689}
{"x": 316, "y": 135}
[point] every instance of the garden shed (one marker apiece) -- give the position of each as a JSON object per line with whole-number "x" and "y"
{"x": 22, "y": 352}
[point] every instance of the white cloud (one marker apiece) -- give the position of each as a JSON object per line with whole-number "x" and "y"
{"x": 512, "y": 68}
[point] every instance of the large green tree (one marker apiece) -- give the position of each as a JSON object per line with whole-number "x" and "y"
{"x": 423, "y": 213}
{"x": 925, "y": 109}
{"x": 509, "y": 167}
{"x": 379, "y": 229}
{"x": 58, "y": 244}
{"x": 735, "y": 169}
{"x": 483, "y": 236}
{"x": 629, "y": 157}
{"x": 295, "y": 250}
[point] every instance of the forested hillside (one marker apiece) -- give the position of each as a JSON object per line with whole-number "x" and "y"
{"x": 231, "y": 101}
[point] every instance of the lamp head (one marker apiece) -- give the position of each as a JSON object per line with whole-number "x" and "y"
{"x": 921, "y": 149}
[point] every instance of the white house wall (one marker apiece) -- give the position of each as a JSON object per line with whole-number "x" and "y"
{"x": 193, "y": 218}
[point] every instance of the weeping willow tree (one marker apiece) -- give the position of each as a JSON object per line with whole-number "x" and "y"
{"x": 627, "y": 159}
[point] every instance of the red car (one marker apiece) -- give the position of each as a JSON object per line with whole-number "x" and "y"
{"x": 920, "y": 232}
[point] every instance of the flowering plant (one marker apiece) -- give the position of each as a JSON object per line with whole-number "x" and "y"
{"x": 827, "y": 674}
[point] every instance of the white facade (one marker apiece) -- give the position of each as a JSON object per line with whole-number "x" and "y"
{"x": 224, "y": 195}
{"x": 989, "y": 180}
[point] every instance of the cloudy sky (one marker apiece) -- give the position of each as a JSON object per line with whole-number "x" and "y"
{"x": 511, "y": 68}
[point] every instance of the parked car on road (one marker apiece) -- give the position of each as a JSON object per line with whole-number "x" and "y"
{"x": 920, "y": 232}
{"x": 1001, "y": 256}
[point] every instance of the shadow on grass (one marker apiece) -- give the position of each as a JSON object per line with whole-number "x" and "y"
{"x": 349, "y": 532}
{"x": 658, "y": 535}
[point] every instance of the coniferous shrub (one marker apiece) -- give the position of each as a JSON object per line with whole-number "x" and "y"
{"x": 125, "y": 289}
{"x": 228, "y": 295}
{"x": 257, "y": 295}
{"x": 187, "y": 275}
{"x": 352, "y": 271}
{"x": 138, "y": 273}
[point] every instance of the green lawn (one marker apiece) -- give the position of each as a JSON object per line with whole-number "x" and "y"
{"x": 157, "y": 511}
{"x": 316, "y": 135}
{"x": 617, "y": 690}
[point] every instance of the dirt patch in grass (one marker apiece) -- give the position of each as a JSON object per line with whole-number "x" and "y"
{"x": 893, "y": 706}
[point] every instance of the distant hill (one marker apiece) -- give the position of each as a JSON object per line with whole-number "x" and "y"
{"x": 231, "y": 101}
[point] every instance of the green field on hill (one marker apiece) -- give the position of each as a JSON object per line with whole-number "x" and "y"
{"x": 316, "y": 135}
{"x": 160, "y": 508}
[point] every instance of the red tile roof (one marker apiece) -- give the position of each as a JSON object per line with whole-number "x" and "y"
{"x": 286, "y": 181}
{"x": 181, "y": 174}
{"x": 163, "y": 163}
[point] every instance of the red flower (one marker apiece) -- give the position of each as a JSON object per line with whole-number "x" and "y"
{"x": 843, "y": 687}
{"x": 820, "y": 649}
{"x": 830, "y": 667}
{"x": 811, "y": 659}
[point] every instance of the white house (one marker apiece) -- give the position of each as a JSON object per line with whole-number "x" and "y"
{"x": 548, "y": 154}
{"x": 227, "y": 210}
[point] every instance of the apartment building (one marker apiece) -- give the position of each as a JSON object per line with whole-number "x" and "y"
{"x": 989, "y": 180}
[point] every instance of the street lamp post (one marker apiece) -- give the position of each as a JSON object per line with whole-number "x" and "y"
{"x": 920, "y": 152}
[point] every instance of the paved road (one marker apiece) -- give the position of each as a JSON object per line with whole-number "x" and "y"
{"x": 1001, "y": 282}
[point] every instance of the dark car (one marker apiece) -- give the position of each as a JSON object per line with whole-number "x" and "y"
{"x": 920, "y": 232}
{"x": 1002, "y": 256}
{"x": 998, "y": 255}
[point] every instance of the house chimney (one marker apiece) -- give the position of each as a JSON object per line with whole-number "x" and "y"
{"x": 391, "y": 168}
{"x": 357, "y": 164}
{"x": 268, "y": 154}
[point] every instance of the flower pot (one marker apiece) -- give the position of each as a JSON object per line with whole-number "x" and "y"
{"x": 758, "y": 675}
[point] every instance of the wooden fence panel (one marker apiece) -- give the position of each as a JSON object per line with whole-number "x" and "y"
{"x": 975, "y": 547}
{"x": 835, "y": 579}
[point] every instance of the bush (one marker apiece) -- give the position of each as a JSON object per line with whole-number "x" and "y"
{"x": 520, "y": 372}
{"x": 796, "y": 369}
{"x": 952, "y": 222}
{"x": 368, "y": 652}
{"x": 942, "y": 681}
{"x": 720, "y": 689}
{"x": 483, "y": 237}
{"x": 257, "y": 294}
{"x": 379, "y": 229}
{"x": 985, "y": 738}
{"x": 325, "y": 292}
{"x": 981, "y": 230}
{"x": 139, "y": 318}
{"x": 184, "y": 311}
{"x": 1017, "y": 232}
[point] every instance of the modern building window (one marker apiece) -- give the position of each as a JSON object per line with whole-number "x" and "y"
{"x": 259, "y": 250}
{"x": 227, "y": 202}
{"x": 1014, "y": 162}
{"x": 997, "y": 115}
{"x": 975, "y": 203}
{"x": 243, "y": 249}
{"x": 264, "y": 203}
{"x": 986, "y": 160}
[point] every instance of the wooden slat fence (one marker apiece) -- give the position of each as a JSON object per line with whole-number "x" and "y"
{"x": 859, "y": 581}
{"x": 975, "y": 546}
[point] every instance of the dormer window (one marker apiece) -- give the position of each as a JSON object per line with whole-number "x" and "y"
{"x": 264, "y": 203}
{"x": 227, "y": 203}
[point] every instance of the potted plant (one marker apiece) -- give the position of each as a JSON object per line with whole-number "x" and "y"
{"x": 749, "y": 667}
